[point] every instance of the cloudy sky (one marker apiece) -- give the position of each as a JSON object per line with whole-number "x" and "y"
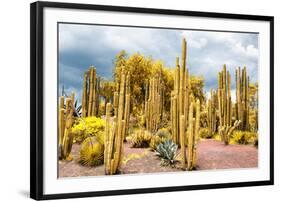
{"x": 83, "y": 45}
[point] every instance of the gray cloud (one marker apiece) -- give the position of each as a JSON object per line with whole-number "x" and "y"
{"x": 83, "y": 45}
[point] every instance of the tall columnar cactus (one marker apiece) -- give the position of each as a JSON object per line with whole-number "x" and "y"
{"x": 115, "y": 132}
{"x": 153, "y": 104}
{"x": 85, "y": 96}
{"x": 211, "y": 114}
{"x": 90, "y": 93}
{"x": 193, "y": 134}
{"x": 127, "y": 106}
{"x": 65, "y": 124}
{"x": 61, "y": 122}
{"x": 225, "y": 106}
{"x": 97, "y": 95}
{"x": 180, "y": 96}
{"x": 242, "y": 98}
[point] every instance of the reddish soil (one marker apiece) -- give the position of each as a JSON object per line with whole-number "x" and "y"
{"x": 212, "y": 154}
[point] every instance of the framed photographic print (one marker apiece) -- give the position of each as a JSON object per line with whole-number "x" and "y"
{"x": 136, "y": 100}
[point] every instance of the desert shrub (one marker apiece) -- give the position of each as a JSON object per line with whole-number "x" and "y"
{"x": 161, "y": 136}
{"x": 204, "y": 133}
{"x": 155, "y": 141}
{"x": 167, "y": 151}
{"x": 243, "y": 137}
{"x": 163, "y": 132}
{"x": 217, "y": 136}
{"x": 92, "y": 152}
{"x": 88, "y": 127}
{"x": 141, "y": 139}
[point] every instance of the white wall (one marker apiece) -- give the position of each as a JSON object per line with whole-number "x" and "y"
{"x": 14, "y": 100}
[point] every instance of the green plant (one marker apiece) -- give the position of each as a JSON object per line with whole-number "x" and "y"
{"x": 88, "y": 127}
{"x": 167, "y": 151}
{"x": 92, "y": 152}
{"x": 77, "y": 111}
{"x": 141, "y": 139}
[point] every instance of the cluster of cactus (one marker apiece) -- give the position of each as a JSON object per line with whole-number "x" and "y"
{"x": 66, "y": 121}
{"x": 115, "y": 131}
{"x": 180, "y": 96}
{"x": 242, "y": 98}
{"x": 211, "y": 113}
{"x": 153, "y": 104}
{"x": 90, "y": 94}
{"x": 185, "y": 122}
{"x": 226, "y": 126}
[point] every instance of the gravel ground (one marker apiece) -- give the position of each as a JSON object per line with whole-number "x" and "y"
{"x": 212, "y": 154}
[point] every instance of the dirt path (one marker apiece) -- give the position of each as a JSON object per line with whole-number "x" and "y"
{"x": 212, "y": 154}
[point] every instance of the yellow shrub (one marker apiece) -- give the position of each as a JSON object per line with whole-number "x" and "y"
{"x": 141, "y": 139}
{"x": 88, "y": 127}
{"x": 243, "y": 137}
{"x": 161, "y": 136}
{"x": 204, "y": 133}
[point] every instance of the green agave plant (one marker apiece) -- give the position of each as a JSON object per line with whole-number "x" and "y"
{"x": 167, "y": 151}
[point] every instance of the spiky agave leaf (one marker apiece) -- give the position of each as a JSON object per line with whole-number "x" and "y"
{"x": 167, "y": 151}
{"x": 92, "y": 152}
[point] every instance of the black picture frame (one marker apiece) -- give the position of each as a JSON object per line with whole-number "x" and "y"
{"x": 36, "y": 98}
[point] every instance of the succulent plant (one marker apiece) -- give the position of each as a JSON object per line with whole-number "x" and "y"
{"x": 167, "y": 151}
{"x": 92, "y": 152}
{"x": 77, "y": 111}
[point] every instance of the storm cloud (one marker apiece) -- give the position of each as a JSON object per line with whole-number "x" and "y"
{"x": 83, "y": 45}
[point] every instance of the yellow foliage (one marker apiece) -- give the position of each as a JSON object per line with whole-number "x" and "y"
{"x": 204, "y": 133}
{"x": 141, "y": 139}
{"x": 133, "y": 156}
{"x": 243, "y": 137}
{"x": 88, "y": 127}
{"x": 240, "y": 137}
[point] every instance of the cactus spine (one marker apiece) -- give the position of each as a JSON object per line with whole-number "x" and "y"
{"x": 115, "y": 135}
{"x": 90, "y": 96}
{"x": 242, "y": 98}
{"x": 225, "y": 106}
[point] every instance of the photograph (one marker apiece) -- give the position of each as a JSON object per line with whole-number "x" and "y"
{"x": 134, "y": 100}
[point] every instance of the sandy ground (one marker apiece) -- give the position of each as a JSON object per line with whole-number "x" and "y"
{"x": 212, "y": 154}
